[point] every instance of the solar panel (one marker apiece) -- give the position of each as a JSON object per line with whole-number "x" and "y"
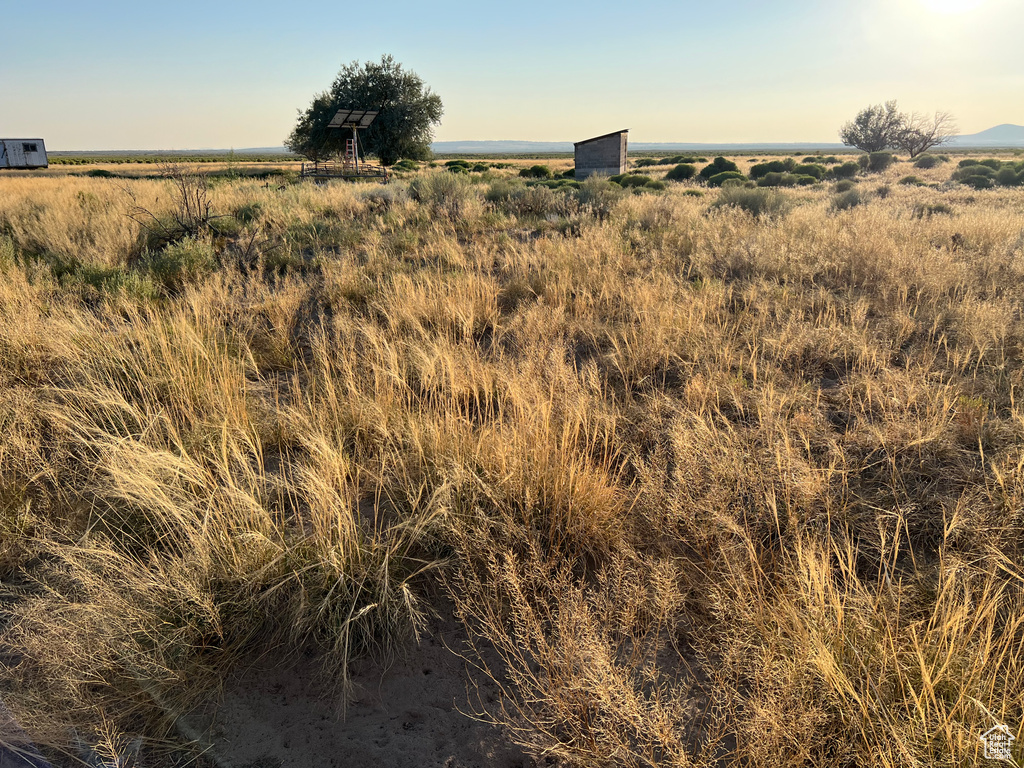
{"x": 347, "y": 118}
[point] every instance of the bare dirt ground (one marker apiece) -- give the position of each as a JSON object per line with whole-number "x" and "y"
{"x": 418, "y": 713}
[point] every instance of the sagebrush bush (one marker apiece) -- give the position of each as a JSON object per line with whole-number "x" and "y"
{"x": 718, "y": 166}
{"x": 810, "y": 169}
{"x": 847, "y": 170}
{"x": 773, "y": 166}
{"x": 927, "y": 161}
{"x": 681, "y": 172}
{"x": 766, "y": 203}
{"x": 844, "y": 201}
{"x": 722, "y": 178}
{"x": 536, "y": 172}
{"x": 879, "y": 161}
{"x": 448, "y": 196}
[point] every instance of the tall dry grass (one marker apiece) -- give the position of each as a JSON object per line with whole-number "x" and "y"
{"x": 717, "y": 488}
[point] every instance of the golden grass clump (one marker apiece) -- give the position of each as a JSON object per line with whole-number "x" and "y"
{"x": 716, "y": 488}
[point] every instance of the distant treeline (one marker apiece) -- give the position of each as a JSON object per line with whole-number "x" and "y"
{"x": 57, "y": 158}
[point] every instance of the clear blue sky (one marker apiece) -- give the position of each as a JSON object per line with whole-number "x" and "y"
{"x": 106, "y": 75}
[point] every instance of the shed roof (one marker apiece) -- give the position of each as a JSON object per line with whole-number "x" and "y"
{"x": 605, "y": 136}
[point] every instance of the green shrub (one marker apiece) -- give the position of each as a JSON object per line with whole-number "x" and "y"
{"x": 774, "y": 166}
{"x": 645, "y": 162}
{"x": 810, "y": 169}
{"x": 911, "y": 181}
{"x": 879, "y": 161}
{"x": 181, "y": 262}
{"x": 717, "y": 167}
{"x": 776, "y": 179}
{"x": 536, "y": 172}
{"x": 457, "y": 164}
{"x": 846, "y": 200}
{"x": 763, "y": 203}
{"x": 978, "y": 181}
{"x": 677, "y": 159}
{"x": 721, "y": 178}
{"x": 927, "y": 161}
{"x": 1007, "y": 177}
{"x": 847, "y": 170}
{"x": 883, "y": 191}
{"x": 457, "y": 169}
{"x": 805, "y": 181}
{"x": 972, "y": 169}
{"x": 629, "y": 180}
{"x": 845, "y": 185}
{"x": 100, "y": 173}
{"x": 693, "y": 193}
{"x": 406, "y": 165}
{"x": 681, "y": 172}
{"x": 479, "y": 168}
{"x": 569, "y": 174}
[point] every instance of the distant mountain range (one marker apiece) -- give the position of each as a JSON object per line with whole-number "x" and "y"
{"x": 1005, "y": 135}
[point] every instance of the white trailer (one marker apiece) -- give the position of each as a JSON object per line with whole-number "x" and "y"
{"x": 23, "y": 153}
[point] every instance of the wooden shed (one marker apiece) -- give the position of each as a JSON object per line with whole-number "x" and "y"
{"x": 23, "y": 153}
{"x": 602, "y": 154}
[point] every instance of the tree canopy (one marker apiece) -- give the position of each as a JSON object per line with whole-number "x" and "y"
{"x": 874, "y": 128}
{"x": 883, "y": 126}
{"x": 404, "y": 128}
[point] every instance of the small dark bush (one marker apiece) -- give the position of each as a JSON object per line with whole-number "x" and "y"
{"x": 844, "y": 201}
{"x": 717, "y": 167}
{"x": 927, "y": 161}
{"x": 1007, "y": 177}
{"x": 457, "y": 169}
{"x": 978, "y": 181}
{"x": 693, "y": 193}
{"x": 776, "y": 179}
{"x": 773, "y": 166}
{"x": 810, "y": 169}
{"x": 845, "y": 185}
{"x": 100, "y": 173}
{"x": 645, "y": 162}
{"x": 721, "y": 178}
{"x": 805, "y": 181}
{"x": 847, "y": 170}
{"x": 457, "y": 164}
{"x": 766, "y": 203}
{"x": 406, "y": 165}
{"x": 536, "y": 172}
{"x": 681, "y": 172}
{"x": 911, "y": 181}
{"x": 569, "y": 174}
{"x": 992, "y": 163}
{"x": 883, "y": 191}
{"x": 677, "y": 159}
{"x": 479, "y": 168}
{"x": 964, "y": 171}
{"x": 879, "y": 161}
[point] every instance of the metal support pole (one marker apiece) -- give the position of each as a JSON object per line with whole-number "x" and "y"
{"x": 355, "y": 148}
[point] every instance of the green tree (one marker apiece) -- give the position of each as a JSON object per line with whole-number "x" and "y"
{"x": 403, "y": 129}
{"x": 875, "y": 128}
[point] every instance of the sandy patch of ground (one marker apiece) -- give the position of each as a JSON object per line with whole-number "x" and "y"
{"x": 408, "y": 716}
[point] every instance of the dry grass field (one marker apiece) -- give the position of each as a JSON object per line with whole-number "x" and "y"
{"x": 702, "y": 488}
